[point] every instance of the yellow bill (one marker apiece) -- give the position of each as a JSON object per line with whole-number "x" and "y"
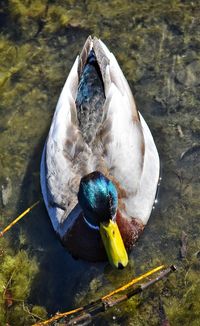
{"x": 113, "y": 244}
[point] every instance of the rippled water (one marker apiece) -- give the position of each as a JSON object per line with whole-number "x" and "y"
{"x": 157, "y": 46}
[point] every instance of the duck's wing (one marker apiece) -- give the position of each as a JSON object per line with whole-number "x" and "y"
{"x": 128, "y": 146}
{"x": 66, "y": 157}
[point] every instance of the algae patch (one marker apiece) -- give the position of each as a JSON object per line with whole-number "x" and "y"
{"x": 16, "y": 275}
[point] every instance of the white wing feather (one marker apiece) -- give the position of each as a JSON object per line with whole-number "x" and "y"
{"x": 132, "y": 156}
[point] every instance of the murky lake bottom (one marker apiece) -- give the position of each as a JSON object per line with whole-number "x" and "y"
{"x": 157, "y": 46}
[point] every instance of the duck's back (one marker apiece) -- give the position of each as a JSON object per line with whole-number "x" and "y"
{"x": 90, "y": 99}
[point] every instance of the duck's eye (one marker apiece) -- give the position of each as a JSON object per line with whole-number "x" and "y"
{"x": 113, "y": 233}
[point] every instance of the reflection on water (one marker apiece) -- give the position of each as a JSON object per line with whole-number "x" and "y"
{"x": 157, "y": 47}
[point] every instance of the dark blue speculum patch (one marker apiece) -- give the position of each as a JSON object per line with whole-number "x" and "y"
{"x": 98, "y": 198}
{"x": 90, "y": 98}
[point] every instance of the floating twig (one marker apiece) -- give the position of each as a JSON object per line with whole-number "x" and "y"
{"x": 90, "y": 310}
{"x": 17, "y": 219}
{"x": 134, "y": 281}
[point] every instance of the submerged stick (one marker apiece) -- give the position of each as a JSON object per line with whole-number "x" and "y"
{"x": 59, "y": 316}
{"x": 87, "y": 315}
{"x": 100, "y": 305}
{"x": 134, "y": 281}
{"x": 17, "y": 219}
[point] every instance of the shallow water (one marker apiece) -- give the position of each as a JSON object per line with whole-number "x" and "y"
{"x": 157, "y": 46}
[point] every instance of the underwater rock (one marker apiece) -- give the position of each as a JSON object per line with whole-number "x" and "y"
{"x": 6, "y": 191}
{"x": 190, "y": 76}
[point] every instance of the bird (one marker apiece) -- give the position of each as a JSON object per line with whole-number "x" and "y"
{"x": 100, "y": 166}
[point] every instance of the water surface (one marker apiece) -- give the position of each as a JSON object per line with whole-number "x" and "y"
{"x": 157, "y": 46}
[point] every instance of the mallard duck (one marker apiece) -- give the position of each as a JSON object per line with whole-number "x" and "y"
{"x": 100, "y": 165}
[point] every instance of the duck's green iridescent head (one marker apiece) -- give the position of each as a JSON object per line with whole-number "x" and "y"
{"x": 98, "y": 199}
